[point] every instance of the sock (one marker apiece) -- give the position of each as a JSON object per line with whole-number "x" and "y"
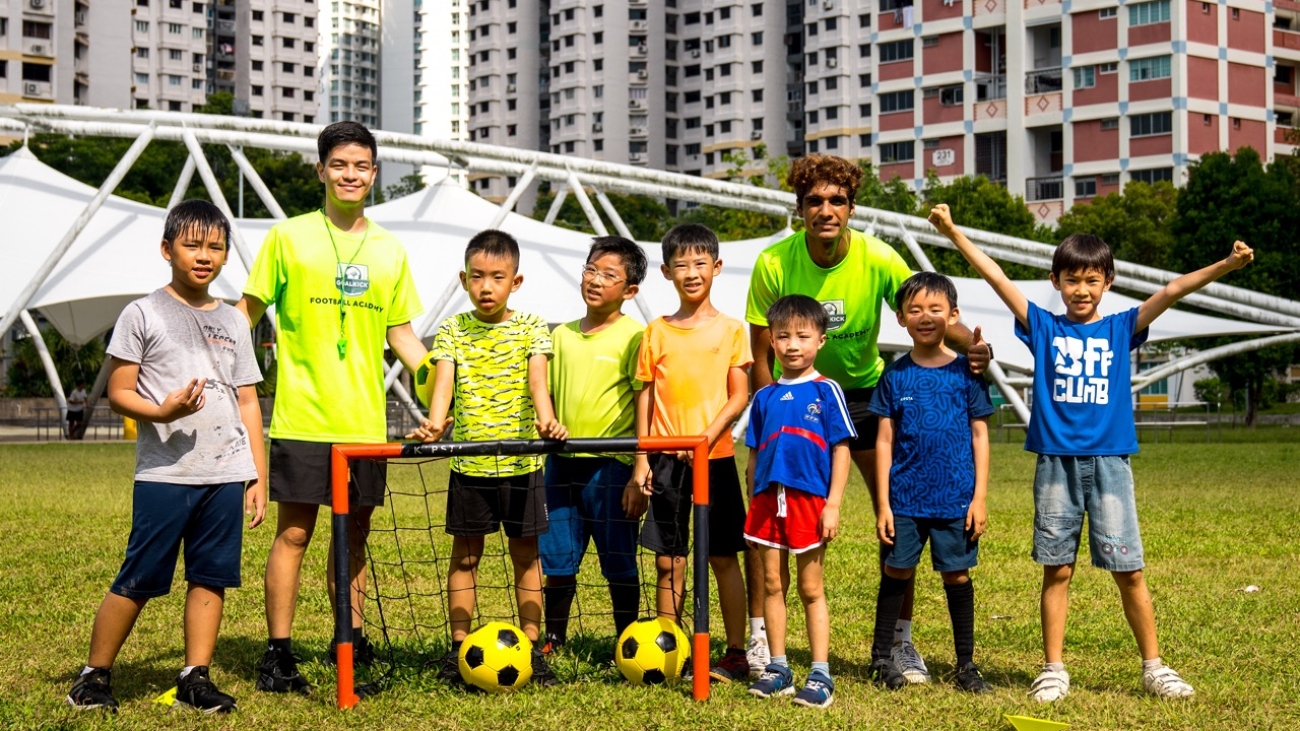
{"x": 88, "y": 670}
{"x": 280, "y": 645}
{"x": 758, "y": 628}
{"x": 889, "y": 602}
{"x": 780, "y": 660}
{"x": 558, "y": 601}
{"x": 821, "y": 667}
{"x": 902, "y": 630}
{"x": 961, "y": 610}
{"x": 186, "y": 670}
{"x": 625, "y": 596}
{"x": 1152, "y": 665}
{"x": 1053, "y": 667}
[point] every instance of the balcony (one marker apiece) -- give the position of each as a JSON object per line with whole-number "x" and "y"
{"x": 1045, "y": 189}
{"x": 990, "y": 88}
{"x": 1287, "y": 39}
{"x": 1042, "y": 81}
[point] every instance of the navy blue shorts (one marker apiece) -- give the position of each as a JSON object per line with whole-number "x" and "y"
{"x": 950, "y": 547}
{"x": 207, "y": 518}
{"x": 584, "y": 497}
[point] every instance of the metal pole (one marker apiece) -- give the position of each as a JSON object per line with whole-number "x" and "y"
{"x": 596, "y": 224}
{"x": 508, "y": 204}
{"x": 218, "y": 198}
{"x": 51, "y": 372}
{"x": 556, "y": 205}
{"x": 1205, "y": 356}
{"x": 182, "y": 183}
{"x": 616, "y": 219}
{"x": 110, "y": 184}
{"x": 263, "y": 193}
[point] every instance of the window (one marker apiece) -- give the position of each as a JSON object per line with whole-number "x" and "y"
{"x": 864, "y": 50}
{"x": 896, "y": 51}
{"x": 832, "y": 83}
{"x": 708, "y": 102}
{"x": 952, "y": 96}
{"x": 693, "y": 150}
{"x": 1107, "y": 13}
{"x": 812, "y": 118}
{"x": 1283, "y": 74}
{"x": 929, "y": 41}
{"x": 1145, "y": 69}
{"x": 756, "y": 9}
{"x": 1149, "y": 13}
{"x": 831, "y": 23}
{"x": 287, "y": 42}
{"x": 289, "y": 17}
{"x": 598, "y": 91}
{"x": 257, "y": 90}
{"x": 257, "y": 40}
{"x": 288, "y": 68}
{"x": 812, "y": 88}
{"x": 864, "y": 81}
{"x": 724, "y": 13}
{"x": 864, "y": 110}
{"x": 897, "y": 101}
{"x": 1085, "y": 77}
{"x": 724, "y": 41}
{"x": 197, "y": 84}
{"x": 512, "y": 27}
{"x": 598, "y": 11}
{"x": 897, "y": 152}
{"x": 1110, "y": 123}
{"x": 724, "y": 98}
{"x": 1145, "y": 125}
{"x": 308, "y": 21}
{"x": 257, "y": 15}
{"x": 756, "y": 38}
{"x": 756, "y": 67}
{"x": 598, "y": 65}
{"x": 724, "y": 126}
{"x": 141, "y": 26}
{"x": 142, "y": 53}
{"x": 832, "y": 143}
{"x": 1108, "y": 68}
{"x": 812, "y": 146}
{"x": 175, "y": 54}
{"x": 756, "y": 95}
{"x": 1085, "y": 187}
{"x": 864, "y": 20}
{"x": 811, "y": 29}
{"x": 832, "y": 113}
{"x": 175, "y": 28}
{"x": 142, "y": 79}
{"x": 198, "y": 33}
{"x": 1155, "y": 175}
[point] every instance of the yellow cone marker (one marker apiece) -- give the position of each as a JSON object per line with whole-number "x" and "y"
{"x": 1025, "y": 723}
{"x": 168, "y": 698}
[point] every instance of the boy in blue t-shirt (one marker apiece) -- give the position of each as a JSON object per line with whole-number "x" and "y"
{"x": 932, "y": 472}
{"x": 1082, "y": 429}
{"x": 798, "y": 439}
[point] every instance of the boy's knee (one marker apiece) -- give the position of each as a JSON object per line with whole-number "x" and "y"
{"x": 894, "y": 572}
{"x": 811, "y": 591}
{"x": 724, "y": 563}
{"x": 954, "y": 578}
{"x": 294, "y": 538}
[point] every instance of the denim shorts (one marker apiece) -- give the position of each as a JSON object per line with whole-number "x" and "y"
{"x": 208, "y": 519}
{"x": 950, "y": 547}
{"x": 1067, "y": 487}
{"x": 584, "y": 496}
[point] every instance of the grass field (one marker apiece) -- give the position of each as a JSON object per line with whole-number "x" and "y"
{"x": 1217, "y": 517}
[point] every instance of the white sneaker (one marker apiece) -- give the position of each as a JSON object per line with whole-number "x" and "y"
{"x": 909, "y": 663}
{"x": 758, "y": 654}
{"x": 1050, "y": 685}
{"x": 1166, "y": 683}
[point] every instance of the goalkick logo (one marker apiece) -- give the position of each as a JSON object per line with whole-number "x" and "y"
{"x": 353, "y": 279}
{"x": 835, "y": 311}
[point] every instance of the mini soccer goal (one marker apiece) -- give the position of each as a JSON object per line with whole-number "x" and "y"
{"x": 407, "y": 554}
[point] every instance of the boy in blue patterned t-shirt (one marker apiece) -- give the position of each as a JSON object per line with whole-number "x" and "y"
{"x": 932, "y": 469}
{"x": 1082, "y": 430}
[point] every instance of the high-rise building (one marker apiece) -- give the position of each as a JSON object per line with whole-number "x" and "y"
{"x": 169, "y": 62}
{"x": 350, "y": 60}
{"x": 440, "y": 96}
{"x": 48, "y": 55}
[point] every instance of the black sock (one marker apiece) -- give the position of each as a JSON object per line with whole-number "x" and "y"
{"x": 626, "y": 598}
{"x": 558, "y": 601}
{"x": 281, "y": 646}
{"x": 961, "y": 609}
{"x": 889, "y": 604}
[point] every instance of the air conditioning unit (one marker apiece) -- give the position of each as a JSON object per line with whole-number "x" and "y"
{"x": 637, "y": 131}
{"x": 632, "y": 103}
{"x": 36, "y": 4}
{"x": 828, "y": 4}
{"x": 37, "y": 49}
{"x": 642, "y": 49}
{"x": 31, "y": 89}
{"x": 695, "y": 53}
{"x": 756, "y": 135}
{"x": 636, "y": 156}
{"x": 196, "y": 67}
{"x": 597, "y": 127}
{"x": 832, "y": 63}
{"x": 510, "y": 88}
{"x": 643, "y": 74}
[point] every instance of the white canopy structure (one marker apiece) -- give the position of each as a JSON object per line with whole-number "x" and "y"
{"x": 78, "y": 255}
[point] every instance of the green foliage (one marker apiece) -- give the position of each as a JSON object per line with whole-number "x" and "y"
{"x": 887, "y": 196}
{"x": 412, "y": 183}
{"x": 977, "y": 202}
{"x": 646, "y": 218}
{"x": 1135, "y": 224}
{"x": 757, "y": 169}
{"x": 26, "y": 374}
{"x": 1209, "y": 390}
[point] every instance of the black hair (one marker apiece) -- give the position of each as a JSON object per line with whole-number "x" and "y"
{"x": 492, "y": 242}
{"x": 1083, "y": 252}
{"x": 633, "y": 258}
{"x": 345, "y": 133}
{"x": 933, "y": 282}
{"x": 195, "y": 215}
{"x": 794, "y": 307}
{"x": 687, "y": 237}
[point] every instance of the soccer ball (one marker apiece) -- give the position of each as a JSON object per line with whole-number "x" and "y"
{"x": 496, "y": 657}
{"x": 652, "y": 651}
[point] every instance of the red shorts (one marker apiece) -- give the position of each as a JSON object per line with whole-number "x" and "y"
{"x": 787, "y": 518}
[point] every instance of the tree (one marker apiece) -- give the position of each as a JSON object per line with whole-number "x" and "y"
{"x": 1238, "y": 197}
{"x": 411, "y": 183}
{"x": 26, "y": 375}
{"x": 1136, "y": 224}
{"x": 979, "y": 203}
{"x": 647, "y": 219}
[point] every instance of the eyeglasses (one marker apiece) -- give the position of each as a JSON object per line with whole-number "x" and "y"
{"x": 592, "y": 273}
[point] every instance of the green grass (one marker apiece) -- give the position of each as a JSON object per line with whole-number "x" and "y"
{"x": 1216, "y": 517}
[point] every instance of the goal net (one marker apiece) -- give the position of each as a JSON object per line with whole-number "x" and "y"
{"x": 405, "y": 613}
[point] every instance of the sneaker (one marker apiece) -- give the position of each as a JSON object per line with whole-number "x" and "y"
{"x": 1166, "y": 683}
{"x": 969, "y": 679}
{"x": 278, "y": 673}
{"x": 449, "y": 669}
{"x": 93, "y": 690}
{"x": 196, "y": 691}
{"x": 1050, "y": 685}
{"x": 551, "y": 645}
{"x": 909, "y": 663}
{"x": 758, "y": 655}
{"x": 818, "y": 691}
{"x": 363, "y": 653}
{"x": 731, "y": 667}
{"x": 885, "y": 674}
{"x": 543, "y": 675}
{"x": 773, "y": 681}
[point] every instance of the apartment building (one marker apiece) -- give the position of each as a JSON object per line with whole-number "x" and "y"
{"x": 46, "y": 52}
{"x": 350, "y": 60}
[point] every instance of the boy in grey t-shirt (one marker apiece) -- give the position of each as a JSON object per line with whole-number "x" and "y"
{"x": 183, "y": 367}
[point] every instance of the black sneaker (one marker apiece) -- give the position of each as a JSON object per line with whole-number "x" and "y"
{"x": 885, "y": 673}
{"x": 363, "y": 653}
{"x": 278, "y": 673}
{"x": 449, "y": 669}
{"x": 196, "y": 691}
{"x": 969, "y": 679}
{"x": 93, "y": 690}
{"x": 731, "y": 667}
{"x": 551, "y": 644}
{"x": 543, "y": 675}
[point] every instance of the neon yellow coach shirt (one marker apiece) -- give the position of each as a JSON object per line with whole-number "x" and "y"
{"x": 321, "y": 397}
{"x": 851, "y": 292}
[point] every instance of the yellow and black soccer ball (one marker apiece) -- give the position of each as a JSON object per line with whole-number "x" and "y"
{"x": 496, "y": 657}
{"x": 652, "y": 651}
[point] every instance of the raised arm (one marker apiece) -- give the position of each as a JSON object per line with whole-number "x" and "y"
{"x": 1157, "y": 303}
{"x": 983, "y": 263}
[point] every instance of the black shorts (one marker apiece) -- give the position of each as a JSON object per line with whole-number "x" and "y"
{"x": 300, "y": 473}
{"x": 480, "y": 506}
{"x": 76, "y": 415}
{"x": 667, "y": 522}
{"x": 865, "y": 423}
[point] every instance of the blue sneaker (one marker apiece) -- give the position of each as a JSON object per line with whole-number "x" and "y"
{"x": 773, "y": 681}
{"x": 818, "y": 692}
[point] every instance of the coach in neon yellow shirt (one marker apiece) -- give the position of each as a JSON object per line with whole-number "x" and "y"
{"x": 851, "y": 274}
{"x": 341, "y": 288}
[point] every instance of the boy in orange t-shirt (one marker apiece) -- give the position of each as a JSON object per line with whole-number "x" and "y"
{"x": 693, "y": 365}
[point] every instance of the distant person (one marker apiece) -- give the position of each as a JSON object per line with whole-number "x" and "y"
{"x": 1083, "y": 432}
{"x": 341, "y": 288}
{"x": 182, "y": 366}
{"x": 77, "y": 410}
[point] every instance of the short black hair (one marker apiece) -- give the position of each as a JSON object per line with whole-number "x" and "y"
{"x": 195, "y": 215}
{"x": 493, "y": 242}
{"x": 345, "y": 133}
{"x": 794, "y": 307}
{"x": 628, "y": 252}
{"x": 687, "y": 237}
{"x": 925, "y": 282}
{"x": 1082, "y": 252}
